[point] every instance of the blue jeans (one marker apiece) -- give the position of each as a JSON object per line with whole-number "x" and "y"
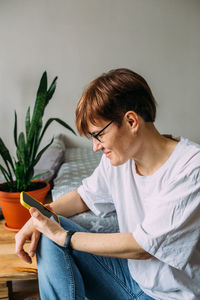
{"x": 65, "y": 275}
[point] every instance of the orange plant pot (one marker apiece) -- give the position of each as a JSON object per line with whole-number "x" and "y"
{"x": 14, "y": 213}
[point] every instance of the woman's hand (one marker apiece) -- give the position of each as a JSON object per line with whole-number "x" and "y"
{"x": 48, "y": 227}
{"x": 27, "y": 233}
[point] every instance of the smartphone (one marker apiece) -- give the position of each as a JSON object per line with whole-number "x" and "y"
{"x": 27, "y": 201}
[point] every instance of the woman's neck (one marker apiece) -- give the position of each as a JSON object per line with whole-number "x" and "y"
{"x": 154, "y": 150}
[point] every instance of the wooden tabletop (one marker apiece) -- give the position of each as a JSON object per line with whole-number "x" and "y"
{"x": 11, "y": 266}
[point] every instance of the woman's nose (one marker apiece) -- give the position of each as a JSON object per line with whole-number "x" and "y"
{"x": 97, "y": 145}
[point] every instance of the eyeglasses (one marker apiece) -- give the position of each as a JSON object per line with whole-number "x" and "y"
{"x": 97, "y": 135}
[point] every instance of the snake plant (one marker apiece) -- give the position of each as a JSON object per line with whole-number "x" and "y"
{"x": 19, "y": 172}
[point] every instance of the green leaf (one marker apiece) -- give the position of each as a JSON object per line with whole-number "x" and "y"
{"x": 60, "y": 122}
{"x": 30, "y": 173}
{"x": 5, "y": 153}
{"x": 43, "y": 84}
{"x": 5, "y": 173}
{"x": 39, "y": 175}
{"x": 33, "y": 149}
{"x": 6, "y": 156}
{"x": 21, "y": 147}
{"x": 19, "y": 156}
{"x": 19, "y": 174}
{"x": 22, "y": 181}
{"x": 27, "y": 121}
{"x": 39, "y": 107}
{"x": 15, "y": 129}
{"x": 37, "y": 116}
{"x": 51, "y": 90}
{"x": 9, "y": 181}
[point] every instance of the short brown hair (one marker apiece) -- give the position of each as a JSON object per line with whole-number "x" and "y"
{"x": 111, "y": 95}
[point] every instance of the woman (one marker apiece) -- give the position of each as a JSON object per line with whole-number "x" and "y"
{"x": 153, "y": 183}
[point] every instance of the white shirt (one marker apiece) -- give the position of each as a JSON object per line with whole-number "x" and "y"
{"x": 163, "y": 213}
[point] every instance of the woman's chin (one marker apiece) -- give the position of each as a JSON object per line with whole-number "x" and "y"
{"x": 115, "y": 162}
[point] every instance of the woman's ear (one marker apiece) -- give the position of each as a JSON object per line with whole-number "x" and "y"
{"x": 132, "y": 119}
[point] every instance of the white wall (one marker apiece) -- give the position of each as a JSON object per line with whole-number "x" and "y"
{"x": 79, "y": 39}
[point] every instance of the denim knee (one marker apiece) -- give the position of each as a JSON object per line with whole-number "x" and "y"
{"x": 68, "y": 224}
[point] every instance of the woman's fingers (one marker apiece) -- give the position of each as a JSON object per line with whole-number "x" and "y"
{"x": 19, "y": 248}
{"x": 33, "y": 243}
{"x": 27, "y": 233}
{"x": 48, "y": 227}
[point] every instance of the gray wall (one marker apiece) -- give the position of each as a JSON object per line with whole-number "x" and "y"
{"x": 79, "y": 39}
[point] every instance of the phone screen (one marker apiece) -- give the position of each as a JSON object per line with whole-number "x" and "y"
{"x": 34, "y": 203}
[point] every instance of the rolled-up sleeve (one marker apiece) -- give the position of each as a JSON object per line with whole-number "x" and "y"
{"x": 170, "y": 230}
{"x": 95, "y": 190}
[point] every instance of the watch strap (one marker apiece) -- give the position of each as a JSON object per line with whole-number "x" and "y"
{"x": 68, "y": 239}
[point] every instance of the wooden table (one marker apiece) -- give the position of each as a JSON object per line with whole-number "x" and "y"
{"x": 12, "y": 268}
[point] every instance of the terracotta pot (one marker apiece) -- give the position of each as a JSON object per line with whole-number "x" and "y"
{"x": 14, "y": 213}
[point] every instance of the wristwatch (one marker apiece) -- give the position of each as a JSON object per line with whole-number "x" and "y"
{"x": 68, "y": 239}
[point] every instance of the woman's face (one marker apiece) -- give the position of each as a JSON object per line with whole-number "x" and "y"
{"x": 117, "y": 143}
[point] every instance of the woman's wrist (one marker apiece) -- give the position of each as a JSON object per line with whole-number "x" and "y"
{"x": 60, "y": 237}
{"x": 68, "y": 239}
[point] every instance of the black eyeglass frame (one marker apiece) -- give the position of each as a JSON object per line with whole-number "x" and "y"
{"x": 95, "y": 136}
